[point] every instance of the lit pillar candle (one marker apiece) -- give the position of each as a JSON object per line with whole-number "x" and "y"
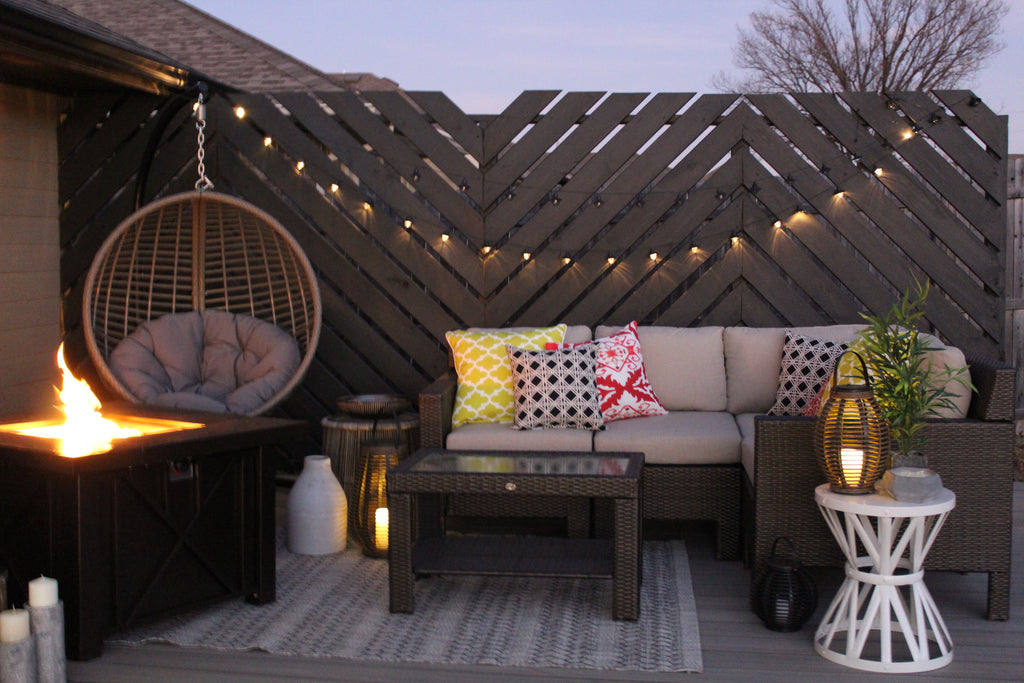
{"x": 852, "y": 460}
{"x": 380, "y": 531}
{"x": 14, "y": 626}
{"x": 42, "y": 592}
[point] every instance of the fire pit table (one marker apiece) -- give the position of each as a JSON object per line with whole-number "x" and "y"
{"x": 178, "y": 516}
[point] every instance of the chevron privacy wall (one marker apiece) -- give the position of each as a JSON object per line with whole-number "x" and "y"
{"x": 671, "y": 208}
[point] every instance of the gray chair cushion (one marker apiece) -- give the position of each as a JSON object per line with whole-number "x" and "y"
{"x": 210, "y": 360}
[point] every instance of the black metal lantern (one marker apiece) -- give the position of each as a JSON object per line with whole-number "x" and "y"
{"x": 371, "y": 510}
{"x": 851, "y": 436}
{"x": 783, "y": 595}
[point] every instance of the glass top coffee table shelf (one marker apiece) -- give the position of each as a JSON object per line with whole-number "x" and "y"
{"x": 430, "y": 474}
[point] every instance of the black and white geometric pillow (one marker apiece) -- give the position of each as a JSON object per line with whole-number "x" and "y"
{"x": 806, "y": 365}
{"x": 556, "y": 388}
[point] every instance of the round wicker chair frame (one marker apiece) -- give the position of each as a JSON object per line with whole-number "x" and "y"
{"x": 196, "y": 251}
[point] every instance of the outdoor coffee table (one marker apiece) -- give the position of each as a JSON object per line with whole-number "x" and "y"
{"x": 430, "y": 474}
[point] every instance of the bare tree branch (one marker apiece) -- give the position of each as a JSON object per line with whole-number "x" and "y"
{"x": 871, "y": 45}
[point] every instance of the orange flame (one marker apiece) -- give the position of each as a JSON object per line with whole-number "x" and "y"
{"x": 84, "y": 430}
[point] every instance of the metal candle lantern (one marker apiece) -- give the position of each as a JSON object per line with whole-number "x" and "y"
{"x": 852, "y": 436}
{"x": 371, "y": 520}
{"x": 783, "y": 594}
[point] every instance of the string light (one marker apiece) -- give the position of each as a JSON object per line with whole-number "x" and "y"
{"x": 299, "y": 165}
{"x": 878, "y": 171}
{"x": 598, "y": 201}
{"x": 777, "y": 225}
{"x": 510, "y": 194}
{"x": 367, "y": 205}
{"x": 934, "y": 118}
{"x": 653, "y": 256}
{"x": 415, "y": 175}
{"x": 735, "y": 240}
{"x": 464, "y": 185}
{"x": 445, "y": 237}
{"x": 268, "y": 141}
{"x": 240, "y": 112}
{"x": 408, "y": 223}
{"x": 566, "y": 260}
{"x": 694, "y": 248}
{"x": 334, "y": 187}
{"x": 486, "y": 250}
{"x": 555, "y": 199}
{"x": 526, "y": 255}
{"x": 611, "y": 260}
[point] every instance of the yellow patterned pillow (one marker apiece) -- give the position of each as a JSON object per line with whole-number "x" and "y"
{"x": 484, "y": 392}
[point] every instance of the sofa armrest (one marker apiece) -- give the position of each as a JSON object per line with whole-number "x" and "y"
{"x": 994, "y": 381}
{"x": 436, "y": 404}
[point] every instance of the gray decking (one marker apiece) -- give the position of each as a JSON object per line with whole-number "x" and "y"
{"x": 735, "y": 644}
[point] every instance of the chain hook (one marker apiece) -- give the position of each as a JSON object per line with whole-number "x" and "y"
{"x": 203, "y": 183}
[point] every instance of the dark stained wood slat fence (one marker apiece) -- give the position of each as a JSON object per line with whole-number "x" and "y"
{"x": 684, "y": 192}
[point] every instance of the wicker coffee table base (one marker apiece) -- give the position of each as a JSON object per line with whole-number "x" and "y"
{"x": 415, "y": 497}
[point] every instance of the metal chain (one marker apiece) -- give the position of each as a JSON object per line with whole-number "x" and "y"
{"x": 203, "y": 183}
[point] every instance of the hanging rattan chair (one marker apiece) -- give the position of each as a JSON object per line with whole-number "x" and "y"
{"x": 200, "y": 252}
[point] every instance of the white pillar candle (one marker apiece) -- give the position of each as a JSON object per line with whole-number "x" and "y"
{"x": 852, "y": 460}
{"x": 14, "y": 626}
{"x": 380, "y": 536}
{"x": 42, "y": 592}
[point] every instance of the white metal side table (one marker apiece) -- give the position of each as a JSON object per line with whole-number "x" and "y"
{"x": 884, "y": 590}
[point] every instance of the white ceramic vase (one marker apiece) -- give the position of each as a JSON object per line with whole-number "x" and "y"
{"x": 317, "y": 510}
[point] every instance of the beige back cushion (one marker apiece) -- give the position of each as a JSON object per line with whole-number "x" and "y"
{"x": 685, "y": 365}
{"x": 753, "y": 357}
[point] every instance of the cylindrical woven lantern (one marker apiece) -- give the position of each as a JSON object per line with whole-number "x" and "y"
{"x": 851, "y": 436}
{"x": 783, "y": 594}
{"x": 371, "y": 520}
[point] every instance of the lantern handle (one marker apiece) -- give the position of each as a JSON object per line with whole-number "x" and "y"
{"x": 789, "y": 542}
{"x": 863, "y": 369}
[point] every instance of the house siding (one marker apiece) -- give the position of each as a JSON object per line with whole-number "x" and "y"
{"x": 30, "y": 327}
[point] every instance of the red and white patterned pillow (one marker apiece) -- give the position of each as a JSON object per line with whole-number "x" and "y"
{"x": 621, "y": 378}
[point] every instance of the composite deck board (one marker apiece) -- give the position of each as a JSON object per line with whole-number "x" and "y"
{"x": 735, "y": 645}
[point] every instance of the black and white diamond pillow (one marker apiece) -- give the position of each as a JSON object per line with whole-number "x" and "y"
{"x": 556, "y": 388}
{"x": 806, "y": 365}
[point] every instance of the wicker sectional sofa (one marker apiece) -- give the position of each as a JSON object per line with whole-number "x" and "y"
{"x": 717, "y": 456}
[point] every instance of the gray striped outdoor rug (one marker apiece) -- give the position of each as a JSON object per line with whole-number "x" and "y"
{"x": 337, "y": 606}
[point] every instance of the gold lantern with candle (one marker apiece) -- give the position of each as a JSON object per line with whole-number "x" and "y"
{"x": 851, "y": 436}
{"x": 371, "y": 509}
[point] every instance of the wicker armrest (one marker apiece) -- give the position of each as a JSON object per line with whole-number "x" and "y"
{"x": 436, "y": 403}
{"x": 994, "y": 381}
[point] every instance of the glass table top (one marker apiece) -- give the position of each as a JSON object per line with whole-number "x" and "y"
{"x": 612, "y": 464}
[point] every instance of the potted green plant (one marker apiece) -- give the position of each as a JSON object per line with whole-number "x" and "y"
{"x": 907, "y": 387}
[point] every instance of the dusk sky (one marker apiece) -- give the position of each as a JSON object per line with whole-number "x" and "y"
{"x": 483, "y": 53}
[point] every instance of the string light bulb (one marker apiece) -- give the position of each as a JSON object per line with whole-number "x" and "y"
{"x": 367, "y": 205}
{"x": 598, "y": 201}
{"x": 526, "y": 255}
{"x": 268, "y": 141}
{"x": 735, "y": 240}
{"x": 299, "y": 165}
{"x": 611, "y": 260}
{"x": 566, "y": 260}
{"x": 240, "y": 112}
{"x": 555, "y": 199}
{"x": 415, "y": 175}
{"x": 334, "y": 188}
{"x": 694, "y": 248}
{"x": 653, "y": 256}
{"x": 464, "y": 185}
{"x": 486, "y": 249}
{"x": 777, "y": 225}
{"x": 407, "y": 223}
{"x": 445, "y": 237}
{"x": 878, "y": 171}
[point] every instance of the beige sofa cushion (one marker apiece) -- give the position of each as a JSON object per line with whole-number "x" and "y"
{"x": 745, "y": 422}
{"x": 685, "y": 365}
{"x": 678, "y": 438}
{"x": 753, "y": 356}
{"x": 502, "y": 436}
